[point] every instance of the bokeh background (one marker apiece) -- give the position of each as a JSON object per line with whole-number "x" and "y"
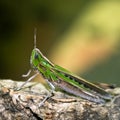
{"x": 81, "y": 35}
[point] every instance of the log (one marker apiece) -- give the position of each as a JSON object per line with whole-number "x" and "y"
{"x": 27, "y": 104}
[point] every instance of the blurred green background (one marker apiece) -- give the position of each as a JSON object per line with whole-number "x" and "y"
{"x": 81, "y": 35}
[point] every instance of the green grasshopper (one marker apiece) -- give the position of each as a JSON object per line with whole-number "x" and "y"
{"x": 57, "y": 76}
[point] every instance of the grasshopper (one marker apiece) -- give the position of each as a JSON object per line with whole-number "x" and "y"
{"x": 57, "y": 76}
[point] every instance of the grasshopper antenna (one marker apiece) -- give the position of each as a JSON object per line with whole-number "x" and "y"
{"x": 35, "y": 32}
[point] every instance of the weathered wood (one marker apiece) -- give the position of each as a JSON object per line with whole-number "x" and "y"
{"x": 24, "y": 105}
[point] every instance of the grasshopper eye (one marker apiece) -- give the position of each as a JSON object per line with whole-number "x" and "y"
{"x": 36, "y": 56}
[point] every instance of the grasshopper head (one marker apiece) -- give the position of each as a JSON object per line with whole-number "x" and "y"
{"x": 38, "y": 60}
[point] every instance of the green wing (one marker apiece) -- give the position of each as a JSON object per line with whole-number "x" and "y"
{"x": 81, "y": 81}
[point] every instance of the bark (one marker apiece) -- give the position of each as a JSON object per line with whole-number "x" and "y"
{"x": 27, "y": 104}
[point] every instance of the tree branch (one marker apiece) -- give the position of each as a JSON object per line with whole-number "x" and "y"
{"x": 25, "y": 104}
